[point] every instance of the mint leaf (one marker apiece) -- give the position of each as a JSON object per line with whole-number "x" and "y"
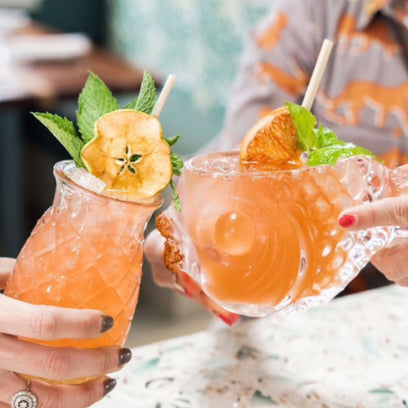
{"x": 326, "y": 137}
{"x": 64, "y": 130}
{"x": 321, "y": 144}
{"x": 94, "y": 101}
{"x": 147, "y": 95}
{"x": 331, "y": 154}
{"x": 176, "y": 198}
{"x": 173, "y": 140}
{"x": 177, "y": 163}
{"x": 305, "y": 123}
{"x": 131, "y": 105}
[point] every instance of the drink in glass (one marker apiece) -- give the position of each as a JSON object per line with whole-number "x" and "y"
{"x": 85, "y": 251}
{"x": 263, "y": 242}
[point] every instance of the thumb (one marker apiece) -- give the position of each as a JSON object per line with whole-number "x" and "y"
{"x": 386, "y": 212}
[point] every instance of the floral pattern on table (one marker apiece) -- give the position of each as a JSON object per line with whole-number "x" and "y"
{"x": 352, "y": 353}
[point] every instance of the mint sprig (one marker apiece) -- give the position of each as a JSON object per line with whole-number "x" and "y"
{"x": 147, "y": 96}
{"x": 64, "y": 130}
{"x": 330, "y": 155}
{"x": 305, "y": 123}
{"x": 177, "y": 164}
{"x": 321, "y": 144}
{"x": 176, "y": 197}
{"x": 94, "y": 101}
{"x": 327, "y": 138}
{"x": 172, "y": 140}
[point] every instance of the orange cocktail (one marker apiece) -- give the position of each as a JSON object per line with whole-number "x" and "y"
{"x": 262, "y": 242}
{"x": 262, "y": 237}
{"x": 85, "y": 252}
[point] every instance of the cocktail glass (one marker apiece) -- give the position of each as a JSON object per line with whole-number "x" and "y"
{"x": 266, "y": 242}
{"x": 85, "y": 252}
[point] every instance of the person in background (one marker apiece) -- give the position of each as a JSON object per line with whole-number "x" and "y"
{"x": 363, "y": 95}
{"x": 363, "y": 98}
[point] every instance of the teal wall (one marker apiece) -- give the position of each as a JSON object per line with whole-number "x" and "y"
{"x": 200, "y": 41}
{"x": 86, "y": 16}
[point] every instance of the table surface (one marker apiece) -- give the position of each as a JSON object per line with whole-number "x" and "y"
{"x": 352, "y": 353}
{"x": 44, "y": 82}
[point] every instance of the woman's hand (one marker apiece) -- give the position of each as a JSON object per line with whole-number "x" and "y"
{"x": 180, "y": 282}
{"x": 392, "y": 261}
{"x": 50, "y": 323}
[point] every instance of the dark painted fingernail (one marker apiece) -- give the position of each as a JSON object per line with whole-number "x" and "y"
{"x": 107, "y": 323}
{"x": 124, "y": 356}
{"x": 347, "y": 220}
{"x": 108, "y": 385}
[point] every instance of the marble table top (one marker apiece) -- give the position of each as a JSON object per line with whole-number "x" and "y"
{"x": 352, "y": 353}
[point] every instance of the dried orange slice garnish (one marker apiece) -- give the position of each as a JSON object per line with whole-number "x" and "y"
{"x": 271, "y": 143}
{"x": 129, "y": 154}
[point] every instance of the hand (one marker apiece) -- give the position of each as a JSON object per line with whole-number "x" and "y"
{"x": 50, "y": 323}
{"x": 392, "y": 261}
{"x": 180, "y": 282}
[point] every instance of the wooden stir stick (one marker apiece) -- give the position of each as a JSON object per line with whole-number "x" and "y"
{"x": 317, "y": 74}
{"x": 164, "y": 94}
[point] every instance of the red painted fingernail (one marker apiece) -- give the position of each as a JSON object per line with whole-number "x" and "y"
{"x": 188, "y": 293}
{"x": 230, "y": 319}
{"x": 225, "y": 319}
{"x": 347, "y": 220}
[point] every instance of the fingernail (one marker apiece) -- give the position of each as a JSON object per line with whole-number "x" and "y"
{"x": 230, "y": 320}
{"x": 347, "y": 220}
{"x": 188, "y": 293}
{"x": 124, "y": 356}
{"x": 106, "y": 323}
{"x": 108, "y": 385}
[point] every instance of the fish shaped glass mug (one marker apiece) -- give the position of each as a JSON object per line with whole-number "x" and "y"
{"x": 259, "y": 243}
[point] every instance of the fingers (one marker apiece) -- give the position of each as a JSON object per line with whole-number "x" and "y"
{"x": 153, "y": 250}
{"x": 59, "y": 363}
{"x": 180, "y": 282}
{"x": 6, "y": 266}
{"x": 392, "y": 262}
{"x": 49, "y": 322}
{"x": 65, "y": 396}
{"x": 389, "y": 211}
{"x": 402, "y": 282}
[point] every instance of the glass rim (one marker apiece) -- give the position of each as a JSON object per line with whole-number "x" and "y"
{"x": 59, "y": 172}
{"x": 190, "y": 166}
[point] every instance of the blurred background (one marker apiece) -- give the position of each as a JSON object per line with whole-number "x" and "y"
{"x": 46, "y": 49}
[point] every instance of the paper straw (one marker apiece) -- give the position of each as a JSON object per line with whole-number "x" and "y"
{"x": 317, "y": 75}
{"x": 164, "y": 94}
